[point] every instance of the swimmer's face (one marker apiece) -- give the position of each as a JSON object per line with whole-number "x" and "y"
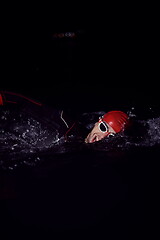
{"x": 99, "y": 132}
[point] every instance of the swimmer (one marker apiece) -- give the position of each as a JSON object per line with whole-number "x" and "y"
{"x": 57, "y": 121}
{"x": 108, "y": 125}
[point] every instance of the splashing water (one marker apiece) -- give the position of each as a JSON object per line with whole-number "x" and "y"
{"x": 123, "y": 141}
{"x": 153, "y": 133}
{"x": 23, "y": 138}
{"x": 26, "y": 140}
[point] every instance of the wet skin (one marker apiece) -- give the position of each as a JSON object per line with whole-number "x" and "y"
{"x": 96, "y": 134}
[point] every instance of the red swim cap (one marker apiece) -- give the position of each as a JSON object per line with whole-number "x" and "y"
{"x": 1, "y": 100}
{"x": 116, "y": 119}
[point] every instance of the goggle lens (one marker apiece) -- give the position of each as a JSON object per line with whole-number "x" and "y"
{"x": 103, "y": 127}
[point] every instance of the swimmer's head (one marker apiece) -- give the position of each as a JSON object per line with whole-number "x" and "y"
{"x": 116, "y": 119}
{"x": 111, "y": 123}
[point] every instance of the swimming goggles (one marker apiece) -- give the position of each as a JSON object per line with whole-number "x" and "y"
{"x": 103, "y": 127}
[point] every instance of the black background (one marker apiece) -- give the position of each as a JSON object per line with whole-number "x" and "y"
{"x": 112, "y": 58}
{"x": 110, "y": 64}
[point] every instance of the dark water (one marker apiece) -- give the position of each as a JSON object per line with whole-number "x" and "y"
{"x": 52, "y": 187}
{"x": 69, "y": 187}
{"x": 27, "y": 141}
